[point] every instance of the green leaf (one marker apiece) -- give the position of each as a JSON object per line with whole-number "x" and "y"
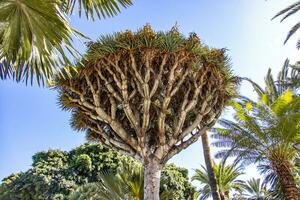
{"x": 100, "y": 8}
{"x": 35, "y": 39}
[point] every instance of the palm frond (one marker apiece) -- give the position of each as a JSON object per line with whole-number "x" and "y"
{"x": 36, "y": 40}
{"x": 226, "y": 176}
{"x": 287, "y": 12}
{"x": 294, "y": 6}
{"x": 293, "y": 30}
{"x": 92, "y": 8}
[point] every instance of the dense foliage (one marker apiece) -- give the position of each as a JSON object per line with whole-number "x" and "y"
{"x": 264, "y": 132}
{"x": 142, "y": 75}
{"x": 128, "y": 94}
{"x": 55, "y": 174}
{"x": 36, "y": 37}
{"x": 129, "y": 181}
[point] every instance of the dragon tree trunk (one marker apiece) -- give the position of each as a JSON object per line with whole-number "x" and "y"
{"x": 286, "y": 179}
{"x": 209, "y": 167}
{"x": 152, "y": 174}
{"x": 144, "y": 93}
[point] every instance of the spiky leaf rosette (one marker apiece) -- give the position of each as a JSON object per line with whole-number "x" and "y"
{"x": 143, "y": 93}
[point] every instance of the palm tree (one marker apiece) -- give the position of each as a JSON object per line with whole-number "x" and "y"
{"x": 275, "y": 191}
{"x": 226, "y": 176}
{"x": 128, "y": 183}
{"x": 264, "y": 132}
{"x": 209, "y": 166}
{"x": 36, "y": 37}
{"x": 287, "y": 12}
{"x": 255, "y": 190}
{"x": 111, "y": 187}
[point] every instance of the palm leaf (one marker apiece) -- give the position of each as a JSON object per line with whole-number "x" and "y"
{"x": 226, "y": 176}
{"x": 294, "y": 6}
{"x": 292, "y": 32}
{"x": 36, "y": 37}
{"x": 100, "y": 8}
{"x": 35, "y": 40}
{"x": 287, "y": 12}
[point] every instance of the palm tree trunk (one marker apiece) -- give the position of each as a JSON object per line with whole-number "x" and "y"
{"x": 210, "y": 171}
{"x": 151, "y": 180}
{"x": 222, "y": 196}
{"x": 286, "y": 179}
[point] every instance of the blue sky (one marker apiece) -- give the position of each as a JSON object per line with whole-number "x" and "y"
{"x": 31, "y": 121}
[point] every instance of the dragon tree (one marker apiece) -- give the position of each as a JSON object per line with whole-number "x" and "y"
{"x": 148, "y": 95}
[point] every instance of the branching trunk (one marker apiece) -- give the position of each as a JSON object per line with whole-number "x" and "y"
{"x": 210, "y": 171}
{"x": 286, "y": 180}
{"x": 152, "y": 174}
{"x": 144, "y": 93}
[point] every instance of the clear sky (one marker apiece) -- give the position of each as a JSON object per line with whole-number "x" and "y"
{"x": 31, "y": 121}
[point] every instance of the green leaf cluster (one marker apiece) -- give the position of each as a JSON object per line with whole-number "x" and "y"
{"x": 56, "y": 174}
{"x": 36, "y": 36}
{"x": 227, "y": 177}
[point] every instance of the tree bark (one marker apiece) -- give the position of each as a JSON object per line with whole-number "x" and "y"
{"x": 286, "y": 180}
{"x": 152, "y": 180}
{"x": 222, "y": 196}
{"x": 209, "y": 167}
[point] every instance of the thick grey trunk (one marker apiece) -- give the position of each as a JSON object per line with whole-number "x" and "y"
{"x": 152, "y": 181}
{"x": 210, "y": 171}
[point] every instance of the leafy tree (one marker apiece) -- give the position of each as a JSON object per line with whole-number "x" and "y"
{"x": 127, "y": 94}
{"x": 36, "y": 37}
{"x": 55, "y": 174}
{"x": 264, "y": 132}
{"x": 128, "y": 184}
{"x": 176, "y": 180}
{"x": 226, "y": 176}
{"x": 287, "y": 12}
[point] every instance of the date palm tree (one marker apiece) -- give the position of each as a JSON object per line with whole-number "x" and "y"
{"x": 226, "y": 176}
{"x": 264, "y": 132}
{"x": 275, "y": 191}
{"x": 36, "y": 37}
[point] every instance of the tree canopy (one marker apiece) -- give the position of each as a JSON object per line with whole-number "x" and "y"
{"x": 55, "y": 174}
{"x": 128, "y": 91}
{"x": 128, "y": 94}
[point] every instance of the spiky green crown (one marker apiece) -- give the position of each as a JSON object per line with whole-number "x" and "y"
{"x": 171, "y": 42}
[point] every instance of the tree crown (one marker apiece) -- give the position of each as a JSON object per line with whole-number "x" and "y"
{"x": 143, "y": 92}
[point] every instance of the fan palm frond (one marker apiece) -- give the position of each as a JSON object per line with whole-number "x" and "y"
{"x": 36, "y": 37}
